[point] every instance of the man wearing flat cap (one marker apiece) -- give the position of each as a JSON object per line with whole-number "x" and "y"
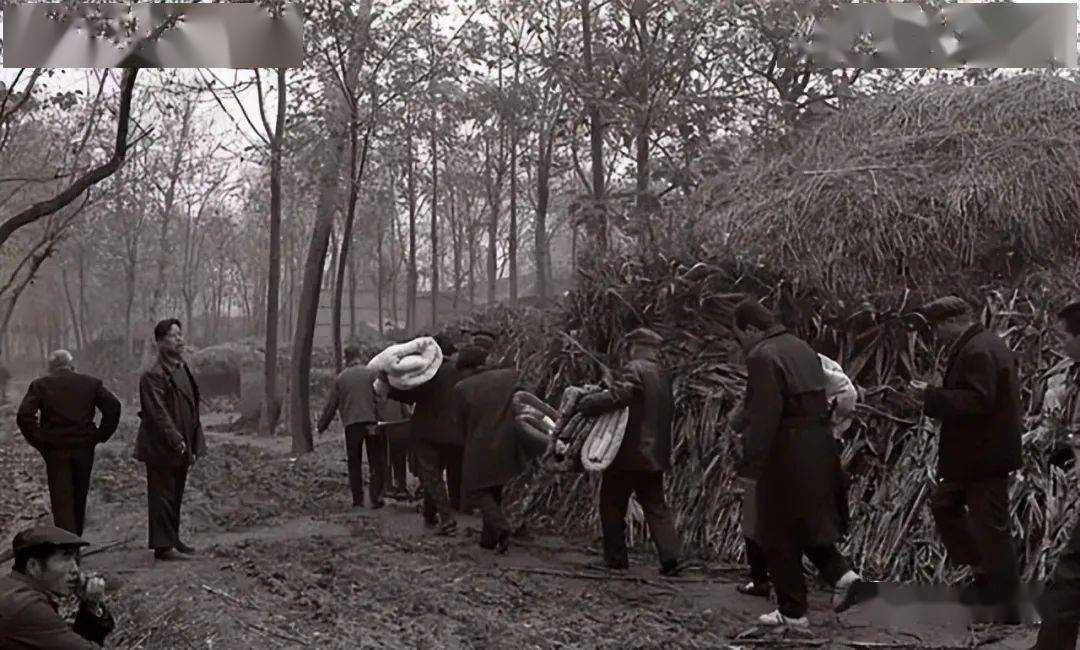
{"x": 47, "y": 569}
{"x": 1060, "y": 606}
{"x": 645, "y": 454}
{"x": 978, "y": 405}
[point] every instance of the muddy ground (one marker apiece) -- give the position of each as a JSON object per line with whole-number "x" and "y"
{"x": 287, "y": 563}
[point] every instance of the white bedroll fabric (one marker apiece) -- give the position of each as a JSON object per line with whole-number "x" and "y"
{"x": 408, "y": 365}
{"x": 839, "y": 389}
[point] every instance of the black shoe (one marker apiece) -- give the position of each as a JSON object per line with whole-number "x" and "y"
{"x": 759, "y": 589}
{"x": 609, "y": 566}
{"x": 449, "y": 529}
{"x": 855, "y": 593}
{"x": 185, "y": 549}
{"x": 431, "y": 523}
{"x": 378, "y": 504}
{"x": 503, "y": 545}
{"x": 168, "y": 555}
{"x": 673, "y": 568}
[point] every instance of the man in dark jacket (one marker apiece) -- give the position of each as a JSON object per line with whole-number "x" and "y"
{"x": 170, "y": 438}
{"x": 791, "y": 456}
{"x": 354, "y": 397}
{"x": 65, "y": 433}
{"x": 46, "y": 569}
{"x": 979, "y": 408}
{"x": 645, "y": 454}
{"x": 437, "y": 440}
{"x": 493, "y": 451}
{"x": 1060, "y": 606}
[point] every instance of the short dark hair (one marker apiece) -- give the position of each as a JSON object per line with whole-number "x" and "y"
{"x": 750, "y": 312}
{"x": 1071, "y": 319}
{"x": 446, "y": 344}
{"x": 40, "y": 553}
{"x": 161, "y": 330}
{"x": 352, "y": 351}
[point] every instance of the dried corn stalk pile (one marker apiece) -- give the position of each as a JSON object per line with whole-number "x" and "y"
{"x": 890, "y": 449}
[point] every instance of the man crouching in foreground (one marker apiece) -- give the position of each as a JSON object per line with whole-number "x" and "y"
{"x": 47, "y": 568}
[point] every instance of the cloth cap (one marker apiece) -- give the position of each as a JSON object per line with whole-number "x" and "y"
{"x": 40, "y": 536}
{"x": 644, "y": 336}
{"x": 483, "y": 340}
{"x": 944, "y": 308}
{"x": 1070, "y": 313}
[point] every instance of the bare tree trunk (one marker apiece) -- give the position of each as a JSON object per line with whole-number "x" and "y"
{"x": 270, "y": 411}
{"x": 543, "y": 195}
{"x": 410, "y": 296}
{"x": 71, "y": 309}
{"x": 598, "y": 212}
{"x": 82, "y": 293}
{"x": 434, "y": 221}
{"x": 337, "y": 115}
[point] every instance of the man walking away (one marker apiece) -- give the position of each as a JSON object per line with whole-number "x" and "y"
{"x": 353, "y": 396}
{"x": 46, "y": 570}
{"x": 57, "y": 418}
{"x": 170, "y": 438}
{"x": 794, "y": 463}
{"x": 638, "y": 468}
{"x": 979, "y": 408}
{"x": 437, "y": 439}
{"x": 493, "y": 453}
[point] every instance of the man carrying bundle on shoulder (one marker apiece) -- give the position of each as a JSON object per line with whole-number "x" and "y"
{"x": 645, "y": 454}
{"x": 791, "y": 456}
{"x": 979, "y": 407}
{"x": 494, "y": 454}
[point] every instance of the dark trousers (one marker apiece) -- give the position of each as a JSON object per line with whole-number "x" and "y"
{"x": 431, "y": 459}
{"x": 358, "y": 437}
{"x": 758, "y": 561}
{"x": 399, "y": 464}
{"x": 784, "y": 564}
{"x": 453, "y": 458}
{"x": 69, "y": 483}
{"x": 496, "y": 527}
{"x": 164, "y": 494}
{"x": 973, "y": 521}
{"x": 615, "y": 491}
{"x": 1060, "y": 604}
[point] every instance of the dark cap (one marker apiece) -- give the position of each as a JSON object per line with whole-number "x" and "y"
{"x": 40, "y": 536}
{"x": 944, "y": 308}
{"x": 352, "y": 350}
{"x": 482, "y": 339}
{"x": 645, "y": 337}
{"x": 1070, "y": 313}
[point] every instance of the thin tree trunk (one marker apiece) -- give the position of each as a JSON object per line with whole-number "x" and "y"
{"x": 598, "y": 213}
{"x": 270, "y": 411}
{"x": 71, "y": 308}
{"x": 410, "y": 296}
{"x": 543, "y": 193}
{"x": 434, "y": 221}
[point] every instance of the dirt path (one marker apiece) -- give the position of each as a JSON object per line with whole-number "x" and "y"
{"x": 286, "y": 563}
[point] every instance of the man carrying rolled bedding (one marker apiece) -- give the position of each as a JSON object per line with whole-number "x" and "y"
{"x": 644, "y": 456}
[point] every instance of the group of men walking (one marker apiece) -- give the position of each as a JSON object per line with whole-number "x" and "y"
{"x": 462, "y": 425}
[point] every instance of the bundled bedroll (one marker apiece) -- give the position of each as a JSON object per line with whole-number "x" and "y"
{"x": 535, "y": 422}
{"x": 584, "y": 443}
{"x": 409, "y": 365}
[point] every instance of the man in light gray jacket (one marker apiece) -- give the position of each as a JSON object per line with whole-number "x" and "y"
{"x": 353, "y": 397}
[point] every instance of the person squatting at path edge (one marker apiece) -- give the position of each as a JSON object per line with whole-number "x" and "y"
{"x": 1060, "y": 603}
{"x": 979, "y": 407}
{"x": 170, "y": 438}
{"x": 353, "y": 396}
{"x": 644, "y": 456}
{"x": 794, "y": 462}
{"x": 46, "y": 569}
{"x": 65, "y": 433}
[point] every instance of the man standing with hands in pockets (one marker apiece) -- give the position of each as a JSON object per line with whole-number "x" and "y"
{"x": 978, "y": 405}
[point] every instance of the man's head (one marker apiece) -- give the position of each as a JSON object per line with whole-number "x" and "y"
{"x": 49, "y": 556}
{"x": 752, "y": 317}
{"x": 61, "y": 360}
{"x": 352, "y": 353}
{"x": 949, "y": 317}
{"x": 643, "y": 343}
{"x": 446, "y": 344}
{"x": 1069, "y": 320}
{"x": 484, "y": 340}
{"x": 169, "y": 336}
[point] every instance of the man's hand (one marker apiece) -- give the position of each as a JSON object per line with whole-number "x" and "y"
{"x": 918, "y": 387}
{"x": 91, "y": 590}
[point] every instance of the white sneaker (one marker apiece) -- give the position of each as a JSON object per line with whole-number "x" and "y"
{"x": 843, "y": 596}
{"x": 775, "y": 619}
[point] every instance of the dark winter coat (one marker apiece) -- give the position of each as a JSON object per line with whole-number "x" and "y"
{"x": 646, "y": 388}
{"x": 169, "y": 414}
{"x": 493, "y": 452}
{"x": 979, "y": 408}
{"x": 58, "y": 411}
{"x": 789, "y": 448}
{"x": 29, "y": 620}
{"x": 434, "y": 418}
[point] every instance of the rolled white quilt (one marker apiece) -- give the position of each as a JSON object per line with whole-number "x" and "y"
{"x": 411, "y": 364}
